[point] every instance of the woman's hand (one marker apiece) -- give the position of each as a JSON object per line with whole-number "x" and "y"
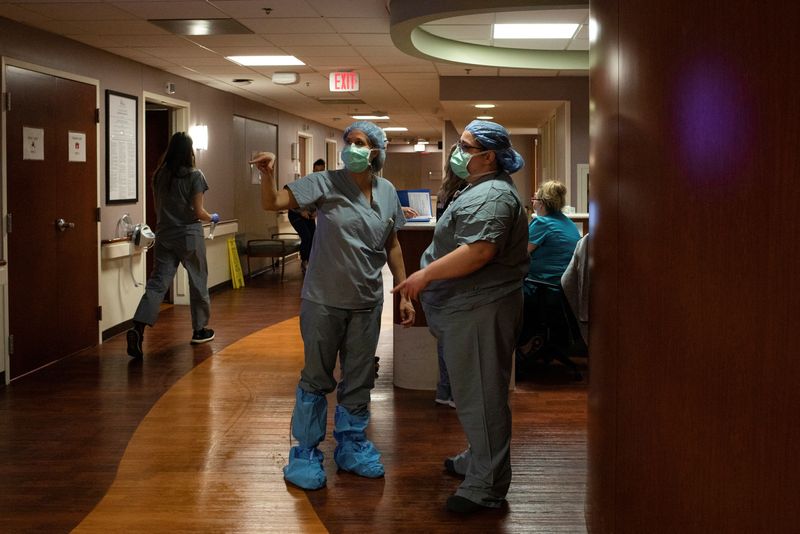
{"x": 407, "y": 312}
{"x": 409, "y": 213}
{"x": 265, "y": 163}
{"x": 412, "y": 286}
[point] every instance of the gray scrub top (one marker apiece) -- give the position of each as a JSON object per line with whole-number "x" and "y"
{"x": 173, "y": 196}
{"x": 489, "y": 210}
{"x": 348, "y": 253}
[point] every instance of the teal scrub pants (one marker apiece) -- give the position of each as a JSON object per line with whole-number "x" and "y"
{"x": 478, "y": 349}
{"x": 350, "y": 334}
{"x": 189, "y": 250}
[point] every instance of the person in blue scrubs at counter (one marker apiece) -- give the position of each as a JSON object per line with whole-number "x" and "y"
{"x": 178, "y": 188}
{"x": 358, "y": 215}
{"x": 470, "y": 285}
{"x": 552, "y": 237}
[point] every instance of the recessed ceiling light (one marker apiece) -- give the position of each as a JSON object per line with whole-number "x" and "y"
{"x": 484, "y": 106}
{"x": 419, "y": 147}
{"x": 534, "y": 31}
{"x": 264, "y": 61}
{"x": 202, "y": 26}
{"x": 484, "y": 117}
{"x": 395, "y": 129}
{"x": 371, "y": 117}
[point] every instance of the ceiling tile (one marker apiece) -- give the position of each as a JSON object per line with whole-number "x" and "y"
{"x": 355, "y": 25}
{"x": 423, "y": 67}
{"x": 263, "y": 50}
{"x": 321, "y": 51}
{"x": 19, "y": 14}
{"x": 195, "y": 9}
{"x": 214, "y": 41}
{"x": 116, "y": 27}
{"x": 305, "y": 39}
{"x": 146, "y": 41}
{"x": 360, "y": 8}
{"x": 252, "y": 10}
{"x": 183, "y": 51}
{"x": 80, "y": 11}
{"x": 290, "y": 25}
{"x": 368, "y": 39}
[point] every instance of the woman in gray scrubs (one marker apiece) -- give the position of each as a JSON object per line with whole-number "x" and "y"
{"x": 178, "y": 188}
{"x": 470, "y": 283}
{"x": 358, "y": 214}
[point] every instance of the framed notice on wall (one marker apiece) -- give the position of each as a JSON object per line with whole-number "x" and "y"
{"x": 122, "y": 148}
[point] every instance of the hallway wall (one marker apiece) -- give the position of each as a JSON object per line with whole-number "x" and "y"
{"x": 693, "y": 394}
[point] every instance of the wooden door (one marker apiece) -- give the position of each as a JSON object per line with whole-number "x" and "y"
{"x": 53, "y": 289}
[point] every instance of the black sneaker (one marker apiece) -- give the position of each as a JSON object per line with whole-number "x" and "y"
{"x": 134, "y": 343}
{"x": 204, "y": 335}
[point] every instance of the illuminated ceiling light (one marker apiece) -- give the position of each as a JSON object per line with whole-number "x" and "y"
{"x": 534, "y": 31}
{"x": 484, "y": 117}
{"x": 264, "y": 61}
{"x": 484, "y": 106}
{"x": 422, "y": 142}
{"x": 419, "y": 147}
{"x": 395, "y": 129}
{"x": 371, "y": 117}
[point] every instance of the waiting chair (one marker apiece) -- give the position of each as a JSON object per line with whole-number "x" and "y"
{"x": 278, "y": 248}
{"x": 556, "y": 334}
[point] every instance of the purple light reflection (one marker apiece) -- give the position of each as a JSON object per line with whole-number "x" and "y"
{"x": 713, "y": 122}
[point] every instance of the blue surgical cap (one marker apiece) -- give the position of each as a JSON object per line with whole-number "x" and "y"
{"x": 376, "y": 137}
{"x": 492, "y": 136}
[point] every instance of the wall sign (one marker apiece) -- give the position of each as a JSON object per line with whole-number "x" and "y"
{"x": 77, "y": 146}
{"x": 32, "y": 143}
{"x": 122, "y": 147}
{"x": 339, "y": 82}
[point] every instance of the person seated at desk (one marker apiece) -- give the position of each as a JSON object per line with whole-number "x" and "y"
{"x": 552, "y": 237}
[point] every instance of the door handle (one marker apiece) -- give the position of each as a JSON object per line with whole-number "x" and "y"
{"x": 63, "y": 225}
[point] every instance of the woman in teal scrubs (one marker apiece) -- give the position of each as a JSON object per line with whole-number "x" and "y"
{"x": 358, "y": 215}
{"x": 470, "y": 284}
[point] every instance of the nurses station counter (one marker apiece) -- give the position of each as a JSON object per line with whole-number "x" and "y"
{"x": 415, "y": 361}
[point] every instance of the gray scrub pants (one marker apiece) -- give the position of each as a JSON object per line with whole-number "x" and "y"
{"x": 353, "y": 335}
{"x": 188, "y": 250}
{"x": 478, "y": 347}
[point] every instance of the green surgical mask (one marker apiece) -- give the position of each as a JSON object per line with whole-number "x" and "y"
{"x": 459, "y": 162}
{"x": 356, "y": 158}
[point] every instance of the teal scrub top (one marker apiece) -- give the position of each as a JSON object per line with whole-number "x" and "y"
{"x": 173, "y": 199}
{"x": 555, "y": 236}
{"x": 348, "y": 252}
{"x": 489, "y": 210}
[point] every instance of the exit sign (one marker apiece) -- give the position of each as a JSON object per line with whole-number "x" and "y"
{"x": 343, "y": 82}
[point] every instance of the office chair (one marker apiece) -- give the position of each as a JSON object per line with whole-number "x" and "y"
{"x": 556, "y": 335}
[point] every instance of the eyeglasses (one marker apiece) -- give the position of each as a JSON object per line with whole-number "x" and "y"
{"x": 464, "y": 147}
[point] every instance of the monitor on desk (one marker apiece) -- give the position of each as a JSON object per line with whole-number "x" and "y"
{"x": 419, "y": 200}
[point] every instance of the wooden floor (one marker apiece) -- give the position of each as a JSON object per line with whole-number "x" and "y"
{"x": 193, "y": 438}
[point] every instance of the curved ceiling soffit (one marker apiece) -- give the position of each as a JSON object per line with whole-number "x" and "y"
{"x": 408, "y": 15}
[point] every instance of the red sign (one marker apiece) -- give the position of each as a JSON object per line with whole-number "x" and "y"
{"x": 343, "y": 82}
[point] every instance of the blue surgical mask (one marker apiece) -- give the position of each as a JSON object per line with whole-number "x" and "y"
{"x": 356, "y": 158}
{"x": 459, "y": 162}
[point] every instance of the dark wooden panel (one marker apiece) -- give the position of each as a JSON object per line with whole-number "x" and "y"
{"x": 413, "y": 243}
{"x": 32, "y": 247}
{"x": 77, "y": 201}
{"x": 694, "y": 319}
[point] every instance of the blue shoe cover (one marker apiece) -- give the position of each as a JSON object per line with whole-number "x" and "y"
{"x": 354, "y": 452}
{"x": 305, "y": 468}
{"x": 359, "y": 457}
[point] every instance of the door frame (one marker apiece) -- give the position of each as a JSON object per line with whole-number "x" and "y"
{"x": 6, "y": 61}
{"x": 308, "y": 156}
{"x": 180, "y": 111}
{"x": 331, "y": 165}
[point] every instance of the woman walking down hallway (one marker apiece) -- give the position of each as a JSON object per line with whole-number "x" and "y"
{"x": 178, "y": 188}
{"x": 470, "y": 285}
{"x": 358, "y": 214}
